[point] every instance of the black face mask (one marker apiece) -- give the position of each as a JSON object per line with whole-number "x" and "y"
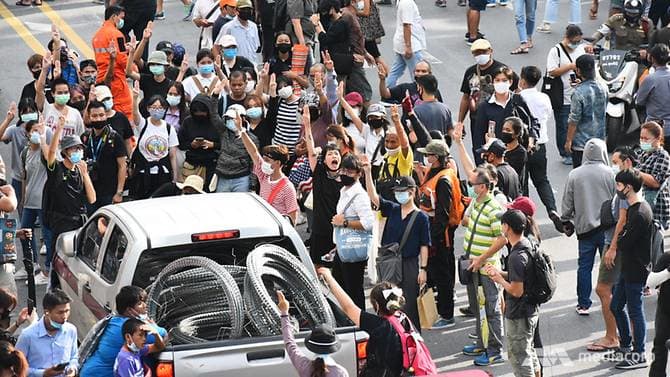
{"x": 245, "y": 13}
{"x": 283, "y": 47}
{"x": 98, "y": 124}
{"x": 507, "y": 137}
{"x": 36, "y": 75}
{"x": 79, "y": 105}
{"x": 63, "y": 55}
{"x": 376, "y": 123}
{"x": 347, "y": 180}
{"x": 314, "y": 113}
{"x": 200, "y": 117}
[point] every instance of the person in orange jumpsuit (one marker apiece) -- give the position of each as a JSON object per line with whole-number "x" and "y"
{"x": 109, "y": 40}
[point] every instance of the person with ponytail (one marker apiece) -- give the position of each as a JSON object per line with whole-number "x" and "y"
{"x": 322, "y": 342}
{"x": 384, "y": 348}
{"x": 12, "y": 361}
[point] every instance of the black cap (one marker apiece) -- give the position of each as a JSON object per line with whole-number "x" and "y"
{"x": 404, "y": 183}
{"x": 322, "y": 340}
{"x": 494, "y": 146}
{"x": 165, "y": 46}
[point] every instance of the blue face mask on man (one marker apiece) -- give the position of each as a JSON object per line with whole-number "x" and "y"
{"x": 402, "y": 196}
{"x": 230, "y": 53}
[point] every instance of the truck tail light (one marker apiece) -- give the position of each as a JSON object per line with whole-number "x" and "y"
{"x": 361, "y": 355}
{"x": 212, "y": 236}
{"x": 165, "y": 369}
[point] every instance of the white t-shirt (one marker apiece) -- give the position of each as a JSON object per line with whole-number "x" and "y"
{"x": 191, "y": 89}
{"x": 155, "y": 144}
{"x": 554, "y": 62}
{"x": 200, "y": 10}
{"x": 539, "y": 105}
{"x": 408, "y": 13}
{"x": 74, "y": 125}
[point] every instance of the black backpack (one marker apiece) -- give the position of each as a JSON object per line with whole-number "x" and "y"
{"x": 540, "y": 285}
{"x": 384, "y": 350}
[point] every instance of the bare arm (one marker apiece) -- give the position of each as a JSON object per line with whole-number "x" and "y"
{"x": 173, "y": 163}
{"x": 650, "y": 181}
{"x": 55, "y": 139}
{"x": 159, "y": 343}
{"x": 88, "y": 184}
{"x": 40, "y": 99}
{"x": 400, "y": 130}
{"x": 248, "y": 143}
{"x": 369, "y": 182}
{"x": 121, "y": 174}
{"x": 11, "y": 113}
{"x": 384, "y": 91}
{"x": 346, "y": 303}
{"x": 463, "y": 156}
{"x": 463, "y": 107}
{"x": 407, "y": 36}
{"x": 129, "y": 64}
{"x": 297, "y": 29}
{"x": 348, "y": 109}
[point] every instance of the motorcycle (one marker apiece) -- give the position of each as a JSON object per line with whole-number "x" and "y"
{"x": 618, "y": 71}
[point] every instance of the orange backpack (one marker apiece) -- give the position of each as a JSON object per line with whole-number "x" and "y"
{"x": 428, "y": 196}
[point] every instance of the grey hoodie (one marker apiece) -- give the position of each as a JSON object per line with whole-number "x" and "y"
{"x": 588, "y": 187}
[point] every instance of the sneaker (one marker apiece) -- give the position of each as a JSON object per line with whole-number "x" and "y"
{"x": 617, "y": 355}
{"x": 472, "y": 335}
{"x": 43, "y": 249}
{"x": 443, "y": 323}
{"x": 442, "y": 4}
{"x": 491, "y": 5}
{"x": 503, "y": 3}
{"x": 41, "y": 279}
{"x": 544, "y": 28}
{"x": 160, "y": 16}
{"x": 20, "y": 274}
{"x": 465, "y": 311}
{"x": 470, "y": 41}
{"x": 479, "y": 35}
{"x": 484, "y": 360}
{"x": 473, "y": 350}
{"x": 632, "y": 360}
{"x": 462, "y": 3}
{"x": 582, "y": 311}
{"x": 567, "y": 160}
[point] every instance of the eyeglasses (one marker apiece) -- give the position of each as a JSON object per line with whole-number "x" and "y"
{"x": 476, "y": 183}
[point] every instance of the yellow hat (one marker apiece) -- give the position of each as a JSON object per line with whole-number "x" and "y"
{"x": 480, "y": 44}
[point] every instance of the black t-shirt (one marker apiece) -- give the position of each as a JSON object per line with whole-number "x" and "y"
{"x": 380, "y": 330}
{"x": 326, "y": 195}
{"x": 264, "y": 131}
{"x": 240, "y": 64}
{"x": 28, "y": 91}
{"x": 634, "y": 243}
{"x": 519, "y": 268}
{"x": 64, "y": 199}
{"x": 483, "y": 82}
{"x": 121, "y": 125}
{"x": 663, "y": 263}
{"x": 517, "y": 158}
{"x": 103, "y": 152}
{"x": 398, "y": 92}
{"x": 150, "y": 87}
{"x": 508, "y": 181}
{"x": 172, "y": 72}
{"x": 167, "y": 189}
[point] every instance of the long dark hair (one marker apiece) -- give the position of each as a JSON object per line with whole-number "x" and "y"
{"x": 385, "y": 306}
{"x": 319, "y": 367}
{"x": 13, "y": 359}
{"x": 183, "y": 109}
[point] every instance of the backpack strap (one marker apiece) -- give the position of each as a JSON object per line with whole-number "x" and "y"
{"x": 474, "y": 227}
{"x": 206, "y": 90}
{"x": 275, "y": 190}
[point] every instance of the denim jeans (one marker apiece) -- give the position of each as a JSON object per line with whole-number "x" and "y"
{"x": 28, "y": 220}
{"x": 524, "y": 16}
{"x": 240, "y": 184}
{"x": 629, "y": 295}
{"x": 587, "y": 253}
{"x": 561, "y": 120}
{"x": 18, "y": 191}
{"x": 399, "y": 65}
{"x": 551, "y": 12}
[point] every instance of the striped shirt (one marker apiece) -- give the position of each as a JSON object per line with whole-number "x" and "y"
{"x": 285, "y": 201}
{"x": 488, "y": 228}
{"x": 288, "y": 125}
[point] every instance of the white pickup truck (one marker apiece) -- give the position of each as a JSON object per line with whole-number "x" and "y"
{"x": 130, "y": 243}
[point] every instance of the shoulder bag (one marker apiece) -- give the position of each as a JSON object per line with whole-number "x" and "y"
{"x": 553, "y": 86}
{"x": 352, "y": 244}
{"x": 389, "y": 259}
{"x": 464, "y": 274}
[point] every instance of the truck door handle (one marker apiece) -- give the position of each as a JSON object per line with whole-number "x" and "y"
{"x": 108, "y": 308}
{"x": 87, "y": 287}
{"x": 266, "y": 354}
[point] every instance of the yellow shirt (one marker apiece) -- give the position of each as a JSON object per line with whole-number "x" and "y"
{"x": 404, "y": 164}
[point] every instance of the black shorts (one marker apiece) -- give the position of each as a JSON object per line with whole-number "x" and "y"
{"x": 372, "y": 48}
{"x": 479, "y": 5}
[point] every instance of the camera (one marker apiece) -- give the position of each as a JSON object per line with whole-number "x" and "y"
{"x": 92, "y": 169}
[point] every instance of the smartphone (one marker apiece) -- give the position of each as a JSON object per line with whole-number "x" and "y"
{"x": 492, "y": 127}
{"x": 61, "y": 366}
{"x": 199, "y": 139}
{"x": 573, "y": 77}
{"x": 122, "y": 44}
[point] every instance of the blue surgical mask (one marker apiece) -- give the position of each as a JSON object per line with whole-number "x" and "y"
{"x": 55, "y": 325}
{"x": 573, "y": 46}
{"x": 173, "y": 100}
{"x": 133, "y": 348}
{"x": 230, "y": 124}
{"x": 254, "y": 112}
{"x": 646, "y": 147}
{"x": 143, "y": 317}
{"x": 109, "y": 103}
{"x": 35, "y": 138}
{"x": 471, "y": 192}
{"x": 402, "y": 196}
{"x": 206, "y": 69}
{"x": 157, "y": 114}
{"x": 77, "y": 156}
{"x": 157, "y": 70}
{"x": 120, "y": 23}
{"x": 27, "y": 117}
{"x": 230, "y": 53}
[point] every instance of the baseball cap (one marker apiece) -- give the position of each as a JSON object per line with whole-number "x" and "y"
{"x": 353, "y": 99}
{"x": 436, "y": 147}
{"x": 244, "y": 4}
{"x": 102, "y": 92}
{"x": 404, "y": 183}
{"x": 230, "y": 3}
{"x": 523, "y": 204}
{"x": 480, "y": 44}
{"x": 165, "y": 46}
{"x": 494, "y": 146}
{"x": 377, "y": 109}
{"x": 70, "y": 141}
{"x": 233, "y": 110}
{"x": 193, "y": 181}
{"x": 228, "y": 40}
{"x": 157, "y": 57}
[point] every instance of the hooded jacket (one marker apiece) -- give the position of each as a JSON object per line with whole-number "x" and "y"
{"x": 211, "y": 130}
{"x": 587, "y": 188}
{"x": 234, "y": 161}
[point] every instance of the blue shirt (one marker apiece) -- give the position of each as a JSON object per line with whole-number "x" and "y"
{"x": 101, "y": 362}
{"x": 395, "y": 228}
{"x": 654, "y": 93}
{"x": 587, "y": 111}
{"x": 45, "y": 351}
{"x": 129, "y": 364}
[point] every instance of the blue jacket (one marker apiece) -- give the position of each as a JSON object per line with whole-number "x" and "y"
{"x": 587, "y": 111}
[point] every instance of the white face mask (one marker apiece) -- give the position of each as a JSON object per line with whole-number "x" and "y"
{"x": 266, "y": 167}
{"x": 426, "y": 162}
{"x": 501, "y": 87}
{"x": 285, "y": 92}
{"x": 482, "y": 59}
{"x": 357, "y": 111}
{"x": 393, "y": 152}
{"x": 251, "y": 86}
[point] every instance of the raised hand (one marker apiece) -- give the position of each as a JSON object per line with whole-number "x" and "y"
{"x": 184, "y": 64}
{"x": 136, "y": 88}
{"x": 340, "y": 90}
{"x": 306, "y": 120}
{"x": 265, "y": 71}
{"x": 282, "y": 303}
{"x": 381, "y": 71}
{"x": 457, "y": 133}
{"x": 327, "y": 61}
{"x": 148, "y": 31}
{"x": 12, "y": 111}
{"x": 273, "y": 84}
{"x": 395, "y": 115}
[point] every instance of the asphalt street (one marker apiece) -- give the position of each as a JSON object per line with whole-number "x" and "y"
{"x": 24, "y": 30}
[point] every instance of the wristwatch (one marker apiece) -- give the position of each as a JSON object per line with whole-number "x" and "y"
{"x": 345, "y": 223}
{"x": 425, "y": 268}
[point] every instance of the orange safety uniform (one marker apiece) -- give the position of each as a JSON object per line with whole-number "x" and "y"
{"x": 123, "y": 100}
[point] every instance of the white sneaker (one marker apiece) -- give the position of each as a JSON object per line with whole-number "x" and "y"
{"x": 43, "y": 249}
{"x": 20, "y": 274}
{"x": 41, "y": 279}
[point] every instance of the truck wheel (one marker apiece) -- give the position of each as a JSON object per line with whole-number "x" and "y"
{"x": 198, "y": 299}
{"x": 270, "y": 268}
{"x": 614, "y": 131}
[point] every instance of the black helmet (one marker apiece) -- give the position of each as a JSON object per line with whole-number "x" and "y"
{"x": 632, "y": 10}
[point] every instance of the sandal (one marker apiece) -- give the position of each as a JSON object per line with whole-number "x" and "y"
{"x": 593, "y": 12}
{"x": 21, "y": 3}
{"x": 599, "y": 347}
{"x": 519, "y": 50}
{"x": 37, "y": 2}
